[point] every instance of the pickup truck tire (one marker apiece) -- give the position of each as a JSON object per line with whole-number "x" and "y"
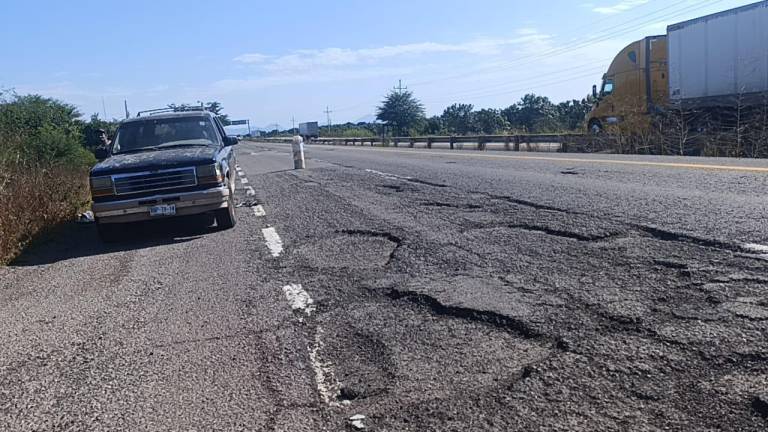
{"x": 108, "y": 233}
{"x": 225, "y": 218}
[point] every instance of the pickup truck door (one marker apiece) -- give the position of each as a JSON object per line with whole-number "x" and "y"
{"x": 226, "y": 154}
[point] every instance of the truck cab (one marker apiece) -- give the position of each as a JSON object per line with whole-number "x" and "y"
{"x": 165, "y": 165}
{"x": 634, "y": 87}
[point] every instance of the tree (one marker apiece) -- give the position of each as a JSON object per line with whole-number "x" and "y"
{"x": 571, "y": 114}
{"x": 512, "y": 115}
{"x": 401, "y": 111}
{"x": 216, "y": 108}
{"x": 433, "y": 126}
{"x": 537, "y": 114}
{"x": 459, "y": 119}
{"x": 41, "y": 130}
{"x": 490, "y": 121}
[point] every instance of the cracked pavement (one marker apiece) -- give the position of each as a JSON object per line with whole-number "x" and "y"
{"x": 449, "y": 292}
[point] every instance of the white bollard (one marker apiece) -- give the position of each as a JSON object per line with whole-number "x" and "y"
{"x": 298, "y": 152}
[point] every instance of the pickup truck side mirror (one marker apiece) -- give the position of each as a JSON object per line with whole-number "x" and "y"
{"x": 594, "y": 91}
{"x": 101, "y": 153}
{"x": 230, "y": 141}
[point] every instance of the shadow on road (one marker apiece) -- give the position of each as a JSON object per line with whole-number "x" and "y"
{"x": 74, "y": 240}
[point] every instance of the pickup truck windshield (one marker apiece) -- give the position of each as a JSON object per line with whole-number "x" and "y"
{"x": 168, "y": 132}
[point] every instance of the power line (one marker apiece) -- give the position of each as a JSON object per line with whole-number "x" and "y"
{"x": 520, "y": 89}
{"x": 601, "y": 36}
{"x": 587, "y": 67}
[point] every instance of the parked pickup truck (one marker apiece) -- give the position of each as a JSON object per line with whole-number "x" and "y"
{"x": 164, "y": 165}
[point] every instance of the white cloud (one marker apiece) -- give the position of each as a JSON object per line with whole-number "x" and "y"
{"x": 251, "y": 58}
{"x": 320, "y": 76}
{"x": 301, "y": 61}
{"x": 620, "y": 7}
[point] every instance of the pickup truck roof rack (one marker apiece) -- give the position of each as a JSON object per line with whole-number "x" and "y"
{"x": 171, "y": 109}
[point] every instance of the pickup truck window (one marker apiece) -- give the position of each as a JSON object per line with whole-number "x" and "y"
{"x": 168, "y": 132}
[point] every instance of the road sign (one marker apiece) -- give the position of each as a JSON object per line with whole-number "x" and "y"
{"x": 238, "y": 122}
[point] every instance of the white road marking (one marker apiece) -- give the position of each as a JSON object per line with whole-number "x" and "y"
{"x": 388, "y": 175}
{"x": 258, "y": 211}
{"x": 241, "y": 173}
{"x": 249, "y": 191}
{"x": 754, "y": 247}
{"x": 325, "y": 378}
{"x": 274, "y": 243}
{"x": 244, "y": 180}
{"x": 299, "y": 299}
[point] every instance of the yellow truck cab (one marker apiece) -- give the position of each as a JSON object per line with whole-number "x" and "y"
{"x": 634, "y": 87}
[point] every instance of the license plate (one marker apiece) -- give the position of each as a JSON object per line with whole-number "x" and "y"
{"x": 163, "y": 210}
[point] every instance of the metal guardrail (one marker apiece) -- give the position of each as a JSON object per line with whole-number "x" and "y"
{"x": 528, "y": 142}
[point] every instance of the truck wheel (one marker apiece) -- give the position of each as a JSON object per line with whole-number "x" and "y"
{"x": 595, "y": 127}
{"x": 225, "y": 218}
{"x": 108, "y": 233}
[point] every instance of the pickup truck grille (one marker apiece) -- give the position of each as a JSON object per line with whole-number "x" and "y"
{"x": 154, "y": 181}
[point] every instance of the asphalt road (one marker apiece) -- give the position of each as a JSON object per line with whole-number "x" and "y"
{"x": 423, "y": 290}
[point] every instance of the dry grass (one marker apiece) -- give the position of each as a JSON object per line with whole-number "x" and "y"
{"x": 34, "y": 199}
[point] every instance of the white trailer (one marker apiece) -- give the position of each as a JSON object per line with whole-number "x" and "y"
{"x": 720, "y": 59}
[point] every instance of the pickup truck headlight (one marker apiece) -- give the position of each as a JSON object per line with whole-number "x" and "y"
{"x": 102, "y": 186}
{"x": 210, "y": 174}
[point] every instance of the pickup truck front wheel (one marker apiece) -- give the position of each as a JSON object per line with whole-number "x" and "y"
{"x": 108, "y": 233}
{"x": 225, "y": 217}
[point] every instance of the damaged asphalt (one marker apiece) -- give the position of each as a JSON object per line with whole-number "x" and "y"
{"x": 471, "y": 300}
{"x": 450, "y": 293}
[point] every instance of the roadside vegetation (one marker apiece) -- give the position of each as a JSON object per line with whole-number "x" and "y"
{"x": 739, "y": 132}
{"x": 44, "y": 163}
{"x": 402, "y": 114}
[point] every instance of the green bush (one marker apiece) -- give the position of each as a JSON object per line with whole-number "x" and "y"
{"x": 43, "y": 168}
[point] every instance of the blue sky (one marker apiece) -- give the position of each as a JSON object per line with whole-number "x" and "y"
{"x": 269, "y": 61}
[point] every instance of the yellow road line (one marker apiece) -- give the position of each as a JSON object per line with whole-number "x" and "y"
{"x": 556, "y": 159}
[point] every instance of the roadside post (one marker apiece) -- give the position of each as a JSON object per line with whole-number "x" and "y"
{"x": 298, "y": 152}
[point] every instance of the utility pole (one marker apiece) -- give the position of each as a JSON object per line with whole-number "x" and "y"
{"x": 400, "y": 87}
{"x": 328, "y": 114}
{"x": 104, "y": 108}
{"x": 293, "y": 124}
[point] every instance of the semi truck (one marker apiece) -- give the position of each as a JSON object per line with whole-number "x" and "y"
{"x": 714, "y": 64}
{"x": 309, "y": 130}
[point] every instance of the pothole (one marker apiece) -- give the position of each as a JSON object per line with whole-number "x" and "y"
{"x": 350, "y": 249}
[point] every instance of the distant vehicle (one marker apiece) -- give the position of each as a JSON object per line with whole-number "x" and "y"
{"x": 713, "y": 63}
{"x": 309, "y": 130}
{"x": 164, "y": 165}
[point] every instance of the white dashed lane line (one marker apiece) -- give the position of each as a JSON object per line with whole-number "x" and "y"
{"x": 258, "y": 211}
{"x": 327, "y": 384}
{"x": 244, "y": 180}
{"x": 249, "y": 191}
{"x": 299, "y": 299}
{"x": 273, "y": 240}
